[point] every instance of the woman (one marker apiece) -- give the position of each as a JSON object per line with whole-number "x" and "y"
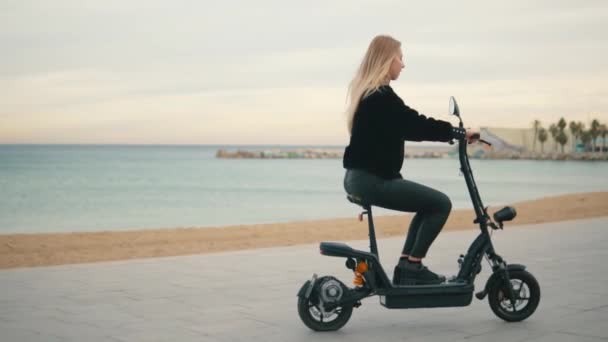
{"x": 379, "y": 122}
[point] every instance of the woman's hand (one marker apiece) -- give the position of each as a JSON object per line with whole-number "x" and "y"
{"x": 472, "y": 135}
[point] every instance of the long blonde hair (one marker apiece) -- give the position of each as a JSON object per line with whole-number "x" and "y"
{"x": 372, "y": 73}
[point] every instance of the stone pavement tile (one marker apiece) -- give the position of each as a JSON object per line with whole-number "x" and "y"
{"x": 30, "y": 316}
{"x": 589, "y": 323}
{"x": 10, "y": 334}
{"x": 87, "y": 297}
{"x": 157, "y": 330}
{"x": 476, "y": 319}
{"x": 583, "y": 301}
{"x": 369, "y": 329}
{"x": 53, "y": 328}
{"x": 565, "y": 337}
{"x": 152, "y": 307}
{"x": 237, "y": 328}
{"x": 107, "y": 316}
{"x": 509, "y": 333}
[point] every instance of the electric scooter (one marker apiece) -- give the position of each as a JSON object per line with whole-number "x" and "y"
{"x": 326, "y": 304}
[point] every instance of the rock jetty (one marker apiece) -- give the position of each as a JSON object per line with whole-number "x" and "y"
{"x": 281, "y": 154}
{"x": 473, "y": 153}
{"x": 310, "y": 154}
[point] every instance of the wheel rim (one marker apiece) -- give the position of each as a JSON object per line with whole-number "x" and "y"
{"x": 318, "y": 314}
{"x": 522, "y": 297}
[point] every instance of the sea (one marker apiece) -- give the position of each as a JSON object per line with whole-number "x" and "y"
{"x": 66, "y": 188}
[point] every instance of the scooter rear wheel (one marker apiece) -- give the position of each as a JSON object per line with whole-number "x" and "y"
{"x": 314, "y": 316}
{"x": 527, "y": 297}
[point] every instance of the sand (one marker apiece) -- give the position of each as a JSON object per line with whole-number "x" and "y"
{"x": 29, "y": 250}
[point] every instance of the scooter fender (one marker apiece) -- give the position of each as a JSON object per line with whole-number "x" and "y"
{"x": 496, "y": 278}
{"x": 306, "y": 289}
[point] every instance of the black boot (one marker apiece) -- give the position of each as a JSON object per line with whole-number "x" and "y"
{"x": 396, "y": 275}
{"x": 411, "y": 273}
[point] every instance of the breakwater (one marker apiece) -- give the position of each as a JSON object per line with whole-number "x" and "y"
{"x": 311, "y": 154}
{"x": 474, "y": 154}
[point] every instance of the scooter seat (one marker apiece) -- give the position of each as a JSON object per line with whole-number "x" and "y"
{"x": 358, "y": 200}
{"x": 335, "y": 249}
{"x": 339, "y": 249}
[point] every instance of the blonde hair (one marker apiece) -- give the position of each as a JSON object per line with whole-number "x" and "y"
{"x": 372, "y": 73}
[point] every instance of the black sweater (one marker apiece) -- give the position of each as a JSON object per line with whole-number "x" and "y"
{"x": 381, "y": 124}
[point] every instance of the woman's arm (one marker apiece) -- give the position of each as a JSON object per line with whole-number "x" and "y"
{"x": 414, "y": 126}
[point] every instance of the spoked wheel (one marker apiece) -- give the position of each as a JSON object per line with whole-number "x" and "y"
{"x": 319, "y": 318}
{"x": 526, "y": 299}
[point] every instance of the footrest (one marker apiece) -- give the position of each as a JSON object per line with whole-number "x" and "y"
{"x": 426, "y": 301}
{"x": 427, "y": 296}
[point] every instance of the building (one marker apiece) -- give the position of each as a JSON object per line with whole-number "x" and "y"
{"x": 523, "y": 140}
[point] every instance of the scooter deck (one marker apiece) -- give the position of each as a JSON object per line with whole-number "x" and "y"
{"x": 443, "y": 288}
{"x": 427, "y": 296}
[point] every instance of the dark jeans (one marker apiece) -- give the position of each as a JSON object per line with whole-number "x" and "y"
{"x": 432, "y": 207}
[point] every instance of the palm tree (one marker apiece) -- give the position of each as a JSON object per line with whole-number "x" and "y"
{"x": 603, "y": 133}
{"x": 562, "y": 139}
{"x": 586, "y": 138}
{"x": 542, "y": 137}
{"x": 536, "y": 125}
{"x": 561, "y": 125}
{"x": 581, "y": 128}
{"x": 554, "y": 131}
{"x": 594, "y": 131}
{"x": 574, "y": 131}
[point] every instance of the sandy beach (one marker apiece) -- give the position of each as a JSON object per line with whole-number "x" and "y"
{"x": 29, "y": 250}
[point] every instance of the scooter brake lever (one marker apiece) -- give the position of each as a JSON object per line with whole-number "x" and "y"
{"x": 485, "y": 142}
{"x": 494, "y": 226}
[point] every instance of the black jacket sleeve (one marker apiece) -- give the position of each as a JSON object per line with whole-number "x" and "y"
{"x": 417, "y": 127}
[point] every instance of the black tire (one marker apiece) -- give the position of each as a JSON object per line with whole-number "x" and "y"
{"x": 310, "y": 313}
{"x": 526, "y": 288}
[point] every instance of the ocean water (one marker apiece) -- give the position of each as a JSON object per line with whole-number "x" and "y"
{"x": 57, "y": 188}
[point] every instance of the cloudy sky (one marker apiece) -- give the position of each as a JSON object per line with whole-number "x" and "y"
{"x": 276, "y": 72}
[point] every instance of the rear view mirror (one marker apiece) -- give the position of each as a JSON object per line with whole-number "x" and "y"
{"x": 454, "y": 107}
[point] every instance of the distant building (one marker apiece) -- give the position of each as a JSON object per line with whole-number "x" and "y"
{"x": 522, "y": 140}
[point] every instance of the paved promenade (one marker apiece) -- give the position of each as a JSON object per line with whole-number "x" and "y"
{"x": 251, "y": 295}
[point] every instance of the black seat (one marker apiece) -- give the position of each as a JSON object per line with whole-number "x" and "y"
{"x": 359, "y": 201}
{"x": 339, "y": 249}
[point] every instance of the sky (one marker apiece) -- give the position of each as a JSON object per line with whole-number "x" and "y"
{"x": 276, "y": 72}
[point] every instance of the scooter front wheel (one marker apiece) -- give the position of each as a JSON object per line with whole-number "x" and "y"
{"x": 526, "y": 299}
{"x": 319, "y": 318}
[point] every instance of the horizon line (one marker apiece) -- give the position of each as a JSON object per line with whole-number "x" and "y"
{"x": 155, "y": 144}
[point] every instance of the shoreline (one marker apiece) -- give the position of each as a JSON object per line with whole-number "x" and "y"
{"x": 417, "y": 153}
{"x": 47, "y": 249}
